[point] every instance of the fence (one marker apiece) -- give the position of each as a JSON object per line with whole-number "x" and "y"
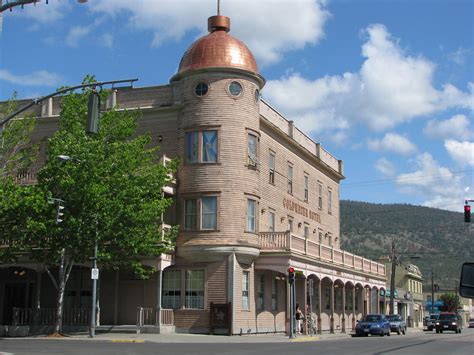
{"x": 154, "y": 316}
{"x": 47, "y": 316}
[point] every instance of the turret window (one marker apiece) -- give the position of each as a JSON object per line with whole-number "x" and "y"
{"x": 201, "y": 147}
{"x": 200, "y": 213}
{"x": 201, "y": 89}
{"x": 235, "y": 88}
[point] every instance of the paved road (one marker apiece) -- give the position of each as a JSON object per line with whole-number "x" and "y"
{"x": 413, "y": 343}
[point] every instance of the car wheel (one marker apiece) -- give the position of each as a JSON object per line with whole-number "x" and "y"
{"x": 441, "y": 331}
{"x": 388, "y": 334}
{"x": 404, "y": 331}
{"x": 437, "y": 331}
{"x": 399, "y": 331}
{"x": 460, "y": 330}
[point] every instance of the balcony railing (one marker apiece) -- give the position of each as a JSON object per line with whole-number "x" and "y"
{"x": 286, "y": 241}
{"x": 154, "y": 316}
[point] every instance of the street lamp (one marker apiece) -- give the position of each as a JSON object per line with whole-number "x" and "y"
{"x": 94, "y": 270}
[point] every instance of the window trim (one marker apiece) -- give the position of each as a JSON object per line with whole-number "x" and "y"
{"x": 241, "y": 89}
{"x": 174, "y": 298}
{"x": 320, "y": 195}
{"x": 271, "y": 221}
{"x": 260, "y": 306}
{"x": 199, "y": 213}
{"x": 185, "y": 304}
{"x": 196, "y": 88}
{"x": 329, "y": 200}
{"x": 252, "y": 163}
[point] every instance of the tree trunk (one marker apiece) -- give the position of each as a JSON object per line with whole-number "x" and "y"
{"x": 60, "y": 297}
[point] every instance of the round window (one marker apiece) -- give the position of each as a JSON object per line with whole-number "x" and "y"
{"x": 257, "y": 95}
{"x": 235, "y": 88}
{"x": 201, "y": 89}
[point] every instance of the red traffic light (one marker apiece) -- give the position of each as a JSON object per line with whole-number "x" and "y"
{"x": 291, "y": 270}
{"x": 467, "y": 213}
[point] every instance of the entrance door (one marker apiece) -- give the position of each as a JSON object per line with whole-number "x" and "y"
{"x": 14, "y": 296}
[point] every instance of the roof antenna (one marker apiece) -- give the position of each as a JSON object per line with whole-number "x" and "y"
{"x": 218, "y": 7}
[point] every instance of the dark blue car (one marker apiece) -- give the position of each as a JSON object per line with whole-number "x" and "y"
{"x": 373, "y": 324}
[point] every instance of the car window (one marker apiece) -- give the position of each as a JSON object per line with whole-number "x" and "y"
{"x": 372, "y": 318}
{"x": 447, "y": 317}
{"x": 394, "y": 318}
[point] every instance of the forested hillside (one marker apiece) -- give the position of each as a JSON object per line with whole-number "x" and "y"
{"x": 436, "y": 238}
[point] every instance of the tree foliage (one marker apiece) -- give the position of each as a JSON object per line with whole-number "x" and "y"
{"x": 451, "y": 302}
{"x": 112, "y": 192}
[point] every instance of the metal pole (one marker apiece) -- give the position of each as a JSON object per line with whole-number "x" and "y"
{"x": 392, "y": 280}
{"x": 94, "y": 287}
{"x": 292, "y": 335}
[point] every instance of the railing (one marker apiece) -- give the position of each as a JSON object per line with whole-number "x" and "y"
{"x": 47, "y": 316}
{"x": 153, "y": 316}
{"x": 288, "y": 242}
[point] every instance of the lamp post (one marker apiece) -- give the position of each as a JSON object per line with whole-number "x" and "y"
{"x": 94, "y": 270}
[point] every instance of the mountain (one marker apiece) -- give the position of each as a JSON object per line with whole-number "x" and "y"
{"x": 427, "y": 237}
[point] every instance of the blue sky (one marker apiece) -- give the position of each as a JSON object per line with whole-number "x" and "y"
{"x": 387, "y": 86}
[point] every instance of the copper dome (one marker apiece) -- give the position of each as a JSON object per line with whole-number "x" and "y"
{"x": 218, "y": 49}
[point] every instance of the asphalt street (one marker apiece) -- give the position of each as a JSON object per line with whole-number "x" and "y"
{"x": 414, "y": 343}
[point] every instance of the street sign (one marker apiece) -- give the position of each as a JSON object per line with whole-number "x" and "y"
{"x": 94, "y": 274}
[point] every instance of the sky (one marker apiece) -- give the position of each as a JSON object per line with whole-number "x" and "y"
{"x": 385, "y": 85}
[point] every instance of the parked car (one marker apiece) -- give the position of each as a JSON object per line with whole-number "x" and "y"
{"x": 471, "y": 322}
{"x": 397, "y": 324}
{"x": 449, "y": 321}
{"x": 373, "y": 324}
{"x": 431, "y": 321}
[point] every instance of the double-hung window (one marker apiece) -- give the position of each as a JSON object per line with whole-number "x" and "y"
{"x": 271, "y": 166}
{"x": 252, "y": 150}
{"x": 251, "y": 215}
{"x": 271, "y": 221}
{"x": 320, "y": 196}
{"x": 306, "y": 230}
{"x": 171, "y": 294}
{"x": 200, "y": 213}
{"x": 201, "y": 147}
{"x": 306, "y": 188}
{"x": 245, "y": 290}
{"x": 209, "y": 212}
{"x": 329, "y": 201}
{"x": 194, "y": 294}
{"x": 190, "y": 212}
{"x": 290, "y": 179}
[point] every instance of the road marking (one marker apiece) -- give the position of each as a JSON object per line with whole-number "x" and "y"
{"x": 305, "y": 339}
{"x": 127, "y": 341}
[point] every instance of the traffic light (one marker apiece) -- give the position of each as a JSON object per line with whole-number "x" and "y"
{"x": 93, "y": 112}
{"x": 467, "y": 213}
{"x": 60, "y": 214}
{"x": 291, "y": 274}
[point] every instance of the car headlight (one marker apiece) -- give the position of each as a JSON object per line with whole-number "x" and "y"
{"x": 437, "y": 323}
{"x": 453, "y": 323}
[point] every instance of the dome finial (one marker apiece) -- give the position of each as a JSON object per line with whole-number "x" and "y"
{"x": 218, "y": 22}
{"x": 218, "y": 7}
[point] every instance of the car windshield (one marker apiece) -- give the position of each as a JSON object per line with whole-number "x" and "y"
{"x": 394, "y": 318}
{"x": 434, "y": 316}
{"x": 447, "y": 317}
{"x": 371, "y": 318}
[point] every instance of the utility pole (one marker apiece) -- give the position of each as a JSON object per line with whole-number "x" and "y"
{"x": 432, "y": 291}
{"x": 392, "y": 279}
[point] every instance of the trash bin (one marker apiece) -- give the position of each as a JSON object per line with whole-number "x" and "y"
{"x": 410, "y": 321}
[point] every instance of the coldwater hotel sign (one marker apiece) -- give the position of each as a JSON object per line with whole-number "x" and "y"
{"x": 301, "y": 210}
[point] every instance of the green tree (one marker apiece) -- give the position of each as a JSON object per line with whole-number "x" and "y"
{"x": 112, "y": 192}
{"x": 451, "y": 302}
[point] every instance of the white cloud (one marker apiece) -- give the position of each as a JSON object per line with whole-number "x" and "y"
{"x": 76, "y": 33}
{"x": 254, "y": 22}
{"x": 459, "y": 55}
{"x": 390, "y": 88}
{"x": 37, "y": 78}
{"x": 436, "y": 184}
{"x": 46, "y": 14}
{"x": 461, "y": 152}
{"x": 455, "y": 127}
{"x": 107, "y": 40}
{"x": 392, "y": 142}
{"x": 385, "y": 167}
